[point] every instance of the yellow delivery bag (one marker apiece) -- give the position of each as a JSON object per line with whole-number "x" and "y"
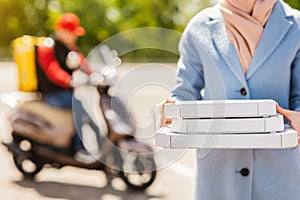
{"x": 24, "y": 56}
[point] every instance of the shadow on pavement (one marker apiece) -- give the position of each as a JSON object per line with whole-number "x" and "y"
{"x": 79, "y": 192}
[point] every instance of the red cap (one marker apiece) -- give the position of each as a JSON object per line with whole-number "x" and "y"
{"x": 70, "y": 22}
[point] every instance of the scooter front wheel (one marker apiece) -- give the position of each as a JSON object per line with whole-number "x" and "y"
{"x": 138, "y": 169}
{"x": 27, "y": 166}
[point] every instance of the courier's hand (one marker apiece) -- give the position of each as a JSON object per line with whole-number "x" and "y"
{"x": 293, "y": 117}
{"x": 73, "y": 60}
{"x": 162, "y": 105}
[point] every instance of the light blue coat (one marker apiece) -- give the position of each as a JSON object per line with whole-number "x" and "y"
{"x": 209, "y": 61}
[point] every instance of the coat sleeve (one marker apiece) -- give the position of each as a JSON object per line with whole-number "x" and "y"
{"x": 51, "y": 67}
{"x": 295, "y": 84}
{"x": 190, "y": 78}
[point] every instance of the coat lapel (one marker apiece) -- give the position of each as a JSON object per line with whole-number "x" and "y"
{"x": 275, "y": 30}
{"x": 225, "y": 49}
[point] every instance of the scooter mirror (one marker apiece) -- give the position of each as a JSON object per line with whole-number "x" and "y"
{"x": 114, "y": 53}
{"x": 116, "y": 62}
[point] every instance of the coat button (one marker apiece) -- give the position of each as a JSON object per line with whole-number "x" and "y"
{"x": 243, "y": 92}
{"x": 244, "y": 172}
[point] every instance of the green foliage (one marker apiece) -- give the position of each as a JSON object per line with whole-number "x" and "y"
{"x": 101, "y": 18}
{"x": 294, "y": 3}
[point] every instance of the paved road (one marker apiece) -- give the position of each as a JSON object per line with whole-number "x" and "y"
{"x": 146, "y": 85}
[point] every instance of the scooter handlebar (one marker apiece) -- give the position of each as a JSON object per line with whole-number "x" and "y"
{"x": 106, "y": 76}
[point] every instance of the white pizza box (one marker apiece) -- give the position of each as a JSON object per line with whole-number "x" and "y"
{"x": 220, "y": 108}
{"x": 280, "y": 140}
{"x": 228, "y": 125}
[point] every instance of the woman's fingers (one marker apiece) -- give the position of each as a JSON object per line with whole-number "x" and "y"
{"x": 292, "y": 116}
{"x": 162, "y": 104}
{"x": 286, "y": 113}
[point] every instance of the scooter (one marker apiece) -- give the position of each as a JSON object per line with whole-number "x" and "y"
{"x": 43, "y": 136}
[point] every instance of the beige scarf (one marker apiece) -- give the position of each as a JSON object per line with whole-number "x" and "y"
{"x": 244, "y": 22}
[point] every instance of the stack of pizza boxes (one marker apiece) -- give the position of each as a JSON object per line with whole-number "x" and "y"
{"x": 225, "y": 124}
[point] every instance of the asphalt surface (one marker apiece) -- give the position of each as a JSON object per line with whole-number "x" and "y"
{"x": 145, "y": 85}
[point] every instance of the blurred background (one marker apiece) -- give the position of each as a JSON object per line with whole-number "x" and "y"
{"x": 102, "y": 19}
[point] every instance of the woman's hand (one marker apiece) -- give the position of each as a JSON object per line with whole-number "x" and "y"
{"x": 162, "y": 106}
{"x": 293, "y": 117}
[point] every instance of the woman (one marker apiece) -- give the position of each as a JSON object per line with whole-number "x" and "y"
{"x": 244, "y": 50}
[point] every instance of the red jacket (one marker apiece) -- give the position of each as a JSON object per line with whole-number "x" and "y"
{"x": 54, "y": 72}
{"x": 52, "y": 60}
